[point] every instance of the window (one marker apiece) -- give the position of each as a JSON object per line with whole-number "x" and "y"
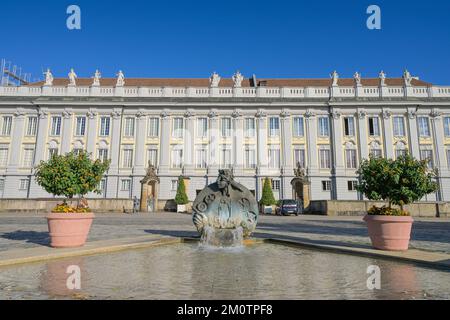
{"x": 298, "y": 127}
{"x": 447, "y": 126}
{"x": 127, "y": 158}
{"x": 325, "y": 159}
{"x": 326, "y": 185}
{"x": 299, "y": 157}
{"x": 153, "y": 127}
{"x": 374, "y": 127}
{"x": 202, "y": 127}
{"x": 226, "y": 127}
{"x": 275, "y": 185}
{"x": 6, "y": 125}
{"x": 103, "y": 154}
{"x": 77, "y": 151}
{"x": 428, "y": 156}
{"x": 128, "y": 127}
{"x": 153, "y": 156}
{"x": 225, "y": 156}
{"x": 200, "y": 157}
{"x": 351, "y": 185}
{"x": 399, "y": 126}
{"x": 376, "y": 153}
{"x": 24, "y": 184}
{"x": 400, "y": 153}
{"x": 274, "y": 127}
{"x": 102, "y": 186}
{"x": 349, "y": 126}
{"x": 28, "y": 154}
{"x": 351, "y": 160}
{"x": 177, "y": 158}
{"x": 31, "y": 126}
{"x": 177, "y": 129}
{"x": 104, "y": 126}
{"x": 125, "y": 185}
{"x": 3, "y": 157}
{"x": 56, "y": 126}
{"x": 250, "y": 157}
{"x": 424, "y": 126}
{"x": 324, "y": 127}
{"x": 52, "y": 152}
{"x": 274, "y": 157}
{"x": 249, "y": 127}
{"x": 174, "y": 185}
{"x": 80, "y": 128}
{"x": 2, "y": 186}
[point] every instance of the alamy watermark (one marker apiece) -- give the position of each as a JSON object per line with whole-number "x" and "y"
{"x": 73, "y": 22}
{"x": 374, "y": 20}
{"x": 374, "y": 280}
{"x": 74, "y": 280}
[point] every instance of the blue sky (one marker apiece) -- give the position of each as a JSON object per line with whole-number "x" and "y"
{"x": 282, "y": 38}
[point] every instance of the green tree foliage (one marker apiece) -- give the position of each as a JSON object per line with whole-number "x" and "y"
{"x": 181, "y": 197}
{"x": 72, "y": 174}
{"x": 398, "y": 182}
{"x": 267, "y": 198}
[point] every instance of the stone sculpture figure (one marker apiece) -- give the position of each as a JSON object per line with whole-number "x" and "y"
{"x": 72, "y": 77}
{"x": 407, "y": 78}
{"x": 382, "y": 78}
{"x": 120, "y": 79}
{"x": 237, "y": 79}
{"x": 48, "y": 78}
{"x": 97, "y": 76}
{"x": 357, "y": 77}
{"x": 335, "y": 78}
{"x": 214, "y": 80}
{"x": 225, "y": 204}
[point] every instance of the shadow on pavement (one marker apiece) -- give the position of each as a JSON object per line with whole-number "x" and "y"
{"x": 41, "y": 238}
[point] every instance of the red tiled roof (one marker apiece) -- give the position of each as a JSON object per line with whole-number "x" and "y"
{"x": 226, "y": 82}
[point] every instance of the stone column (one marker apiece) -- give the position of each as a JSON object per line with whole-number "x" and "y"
{"x": 41, "y": 137}
{"x": 238, "y": 143}
{"x": 311, "y": 135}
{"x": 16, "y": 142}
{"x": 92, "y": 131}
{"x": 114, "y": 153}
{"x": 362, "y": 129}
{"x": 286, "y": 143}
{"x": 139, "y": 164}
{"x": 440, "y": 157}
{"x": 40, "y": 151}
{"x": 164, "y": 154}
{"x": 214, "y": 150}
{"x": 189, "y": 143}
{"x": 66, "y": 131}
{"x": 262, "y": 153}
{"x": 413, "y": 133}
{"x": 337, "y": 151}
{"x": 387, "y": 133}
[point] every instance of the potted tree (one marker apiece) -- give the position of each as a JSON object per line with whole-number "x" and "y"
{"x": 267, "y": 199}
{"x": 398, "y": 183}
{"x": 69, "y": 175}
{"x": 181, "y": 198}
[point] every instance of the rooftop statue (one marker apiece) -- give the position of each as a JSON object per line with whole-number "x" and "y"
{"x": 407, "y": 78}
{"x": 237, "y": 79}
{"x": 335, "y": 77}
{"x": 120, "y": 79}
{"x": 97, "y": 76}
{"x": 48, "y": 78}
{"x": 214, "y": 80}
{"x": 357, "y": 78}
{"x": 225, "y": 204}
{"x": 72, "y": 78}
{"x": 382, "y": 78}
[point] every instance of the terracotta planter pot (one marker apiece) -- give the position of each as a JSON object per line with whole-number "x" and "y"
{"x": 389, "y": 232}
{"x": 69, "y": 229}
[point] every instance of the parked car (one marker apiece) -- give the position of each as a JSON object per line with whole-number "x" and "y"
{"x": 286, "y": 207}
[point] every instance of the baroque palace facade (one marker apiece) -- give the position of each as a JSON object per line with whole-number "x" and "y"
{"x": 193, "y": 127}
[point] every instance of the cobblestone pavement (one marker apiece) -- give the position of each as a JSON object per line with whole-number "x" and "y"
{"x": 18, "y": 230}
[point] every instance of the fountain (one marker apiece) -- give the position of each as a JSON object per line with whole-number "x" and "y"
{"x": 225, "y": 212}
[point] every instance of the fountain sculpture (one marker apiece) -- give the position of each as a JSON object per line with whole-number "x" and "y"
{"x": 225, "y": 211}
